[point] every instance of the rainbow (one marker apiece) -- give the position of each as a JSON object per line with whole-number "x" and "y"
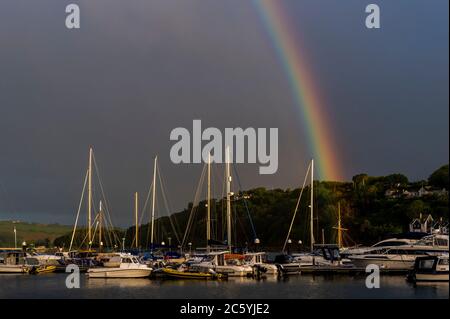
{"x": 304, "y": 89}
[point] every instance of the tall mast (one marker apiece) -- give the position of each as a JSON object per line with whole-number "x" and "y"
{"x": 136, "y": 207}
{"x": 312, "y": 205}
{"x": 90, "y": 197}
{"x": 100, "y": 216}
{"x": 153, "y": 202}
{"x": 339, "y": 226}
{"x": 208, "y": 207}
{"x": 228, "y": 198}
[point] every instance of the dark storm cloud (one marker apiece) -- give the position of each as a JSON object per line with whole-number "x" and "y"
{"x": 135, "y": 71}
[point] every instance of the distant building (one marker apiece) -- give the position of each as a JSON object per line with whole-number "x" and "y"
{"x": 411, "y": 193}
{"x": 422, "y": 225}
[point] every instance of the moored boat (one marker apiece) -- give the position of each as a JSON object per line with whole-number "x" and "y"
{"x": 130, "y": 267}
{"x": 430, "y": 268}
{"x": 402, "y": 258}
{"x": 185, "y": 274}
{"x": 217, "y": 262}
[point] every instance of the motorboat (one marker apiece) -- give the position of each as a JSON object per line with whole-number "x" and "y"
{"x": 15, "y": 262}
{"x": 402, "y": 257}
{"x": 217, "y": 262}
{"x": 391, "y": 242}
{"x": 430, "y": 268}
{"x": 259, "y": 264}
{"x": 130, "y": 267}
{"x": 183, "y": 272}
{"x": 286, "y": 265}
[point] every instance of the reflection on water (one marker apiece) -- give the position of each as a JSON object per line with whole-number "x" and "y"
{"x": 302, "y": 286}
{"x": 117, "y": 282}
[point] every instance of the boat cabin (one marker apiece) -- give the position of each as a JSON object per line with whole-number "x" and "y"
{"x": 328, "y": 251}
{"x": 217, "y": 258}
{"x": 12, "y": 258}
{"x": 255, "y": 258}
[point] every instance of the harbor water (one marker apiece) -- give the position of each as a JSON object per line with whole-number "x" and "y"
{"x": 300, "y": 286}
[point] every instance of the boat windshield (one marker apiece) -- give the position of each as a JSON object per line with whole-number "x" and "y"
{"x": 234, "y": 262}
{"x": 426, "y": 264}
{"x": 32, "y": 261}
{"x": 443, "y": 261}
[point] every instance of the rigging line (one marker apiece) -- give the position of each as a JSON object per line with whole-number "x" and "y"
{"x": 141, "y": 218}
{"x": 195, "y": 205}
{"x": 79, "y": 210}
{"x": 95, "y": 230}
{"x": 108, "y": 215}
{"x": 245, "y": 201}
{"x": 166, "y": 204}
{"x": 193, "y": 209}
{"x": 296, "y": 207}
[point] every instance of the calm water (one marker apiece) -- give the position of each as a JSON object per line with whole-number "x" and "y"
{"x": 302, "y": 286}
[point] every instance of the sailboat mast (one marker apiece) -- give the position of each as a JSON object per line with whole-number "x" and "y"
{"x": 153, "y": 202}
{"x": 312, "y": 205}
{"x": 228, "y": 198}
{"x": 100, "y": 215}
{"x": 339, "y": 226}
{"x": 90, "y": 197}
{"x": 136, "y": 207}
{"x": 208, "y": 207}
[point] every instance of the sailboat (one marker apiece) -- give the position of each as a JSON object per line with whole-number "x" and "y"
{"x": 217, "y": 261}
{"x": 325, "y": 255}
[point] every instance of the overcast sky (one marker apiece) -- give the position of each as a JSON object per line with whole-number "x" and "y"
{"x": 137, "y": 69}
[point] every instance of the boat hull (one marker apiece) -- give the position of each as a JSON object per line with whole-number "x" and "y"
{"x": 384, "y": 264}
{"x": 444, "y": 276}
{"x": 13, "y": 269}
{"x": 190, "y": 275}
{"x": 119, "y": 273}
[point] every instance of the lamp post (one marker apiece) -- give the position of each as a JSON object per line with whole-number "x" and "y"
{"x": 170, "y": 242}
{"x": 190, "y": 248}
{"x": 15, "y": 238}
{"x": 289, "y": 242}
{"x": 257, "y": 242}
{"x": 123, "y": 244}
{"x": 300, "y": 245}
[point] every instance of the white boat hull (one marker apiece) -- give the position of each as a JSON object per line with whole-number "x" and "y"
{"x": 432, "y": 277}
{"x": 119, "y": 273}
{"x": 384, "y": 264}
{"x": 230, "y": 271}
{"x": 12, "y": 269}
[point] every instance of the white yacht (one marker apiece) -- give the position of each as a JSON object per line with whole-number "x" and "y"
{"x": 258, "y": 262}
{"x": 130, "y": 267}
{"x": 402, "y": 257}
{"x": 391, "y": 242}
{"x": 216, "y": 261}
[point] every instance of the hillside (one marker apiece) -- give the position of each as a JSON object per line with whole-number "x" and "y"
{"x": 371, "y": 209}
{"x": 32, "y": 233}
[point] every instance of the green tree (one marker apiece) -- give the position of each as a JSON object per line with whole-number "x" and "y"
{"x": 440, "y": 177}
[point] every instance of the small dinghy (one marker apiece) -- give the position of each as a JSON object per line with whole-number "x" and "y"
{"x": 43, "y": 269}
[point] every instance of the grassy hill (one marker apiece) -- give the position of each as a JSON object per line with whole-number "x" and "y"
{"x": 32, "y": 233}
